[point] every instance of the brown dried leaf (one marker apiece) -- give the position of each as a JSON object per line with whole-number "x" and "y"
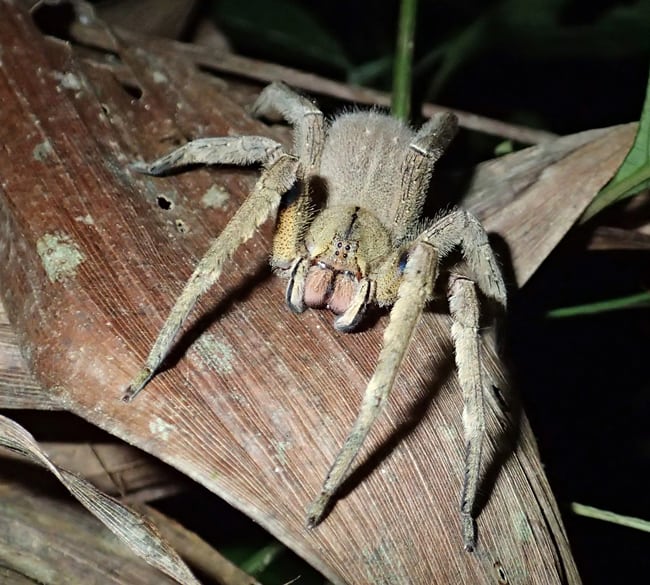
{"x": 615, "y": 238}
{"x": 255, "y": 406}
{"x": 134, "y": 530}
{"x": 198, "y": 552}
{"x": 117, "y": 469}
{"x": 534, "y": 196}
{"x": 18, "y": 388}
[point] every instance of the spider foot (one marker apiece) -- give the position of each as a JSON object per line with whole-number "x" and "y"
{"x": 140, "y": 167}
{"x": 468, "y": 526}
{"x": 158, "y": 167}
{"x": 317, "y": 510}
{"x": 139, "y": 382}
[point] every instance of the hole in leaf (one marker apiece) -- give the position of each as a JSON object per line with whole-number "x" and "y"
{"x": 501, "y": 573}
{"x": 164, "y": 202}
{"x": 54, "y": 20}
{"x": 133, "y": 90}
{"x": 181, "y": 226}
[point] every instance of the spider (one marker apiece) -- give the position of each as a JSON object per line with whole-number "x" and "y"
{"x": 366, "y": 244}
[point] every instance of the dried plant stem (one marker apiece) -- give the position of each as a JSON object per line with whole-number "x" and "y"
{"x": 245, "y": 67}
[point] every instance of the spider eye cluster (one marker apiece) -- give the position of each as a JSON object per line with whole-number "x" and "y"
{"x": 342, "y": 250}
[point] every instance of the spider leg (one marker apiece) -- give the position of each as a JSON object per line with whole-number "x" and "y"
{"x": 428, "y": 145}
{"x": 278, "y": 100}
{"x": 464, "y": 308}
{"x": 297, "y": 211}
{"x": 295, "y": 292}
{"x": 228, "y": 150}
{"x": 262, "y": 202}
{"x": 435, "y": 135}
{"x": 459, "y": 227}
{"x": 414, "y": 291}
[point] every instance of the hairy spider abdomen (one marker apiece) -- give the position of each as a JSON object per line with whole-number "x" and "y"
{"x": 363, "y": 164}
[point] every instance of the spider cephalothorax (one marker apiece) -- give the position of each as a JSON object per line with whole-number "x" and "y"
{"x": 346, "y": 247}
{"x": 366, "y": 243}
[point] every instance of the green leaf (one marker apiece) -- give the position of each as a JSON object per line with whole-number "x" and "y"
{"x": 504, "y": 147}
{"x": 259, "y": 561}
{"x": 537, "y": 30}
{"x": 633, "y": 175}
{"x": 454, "y": 53}
{"x": 630, "y": 302}
{"x": 282, "y": 27}
{"x": 369, "y": 72}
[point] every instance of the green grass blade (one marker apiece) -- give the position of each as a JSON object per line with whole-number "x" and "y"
{"x": 369, "y": 72}
{"x": 630, "y": 302}
{"x": 629, "y": 521}
{"x": 403, "y": 68}
{"x": 282, "y": 29}
{"x": 633, "y": 175}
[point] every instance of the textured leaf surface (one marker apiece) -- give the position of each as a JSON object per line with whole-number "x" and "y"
{"x": 256, "y": 401}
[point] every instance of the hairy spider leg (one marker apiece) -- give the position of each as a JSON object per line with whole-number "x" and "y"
{"x": 465, "y": 314}
{"x": 461, "y": 228}
{"x": 414, "y": 291}
{"x": 262, "y": 202}
{"x": 224, "y": 150}
{"x": 408, "y": 294}
{"x": 280, "y": 174}
{"x": 427, "y": 147}
{"x": 295, "y": 215}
